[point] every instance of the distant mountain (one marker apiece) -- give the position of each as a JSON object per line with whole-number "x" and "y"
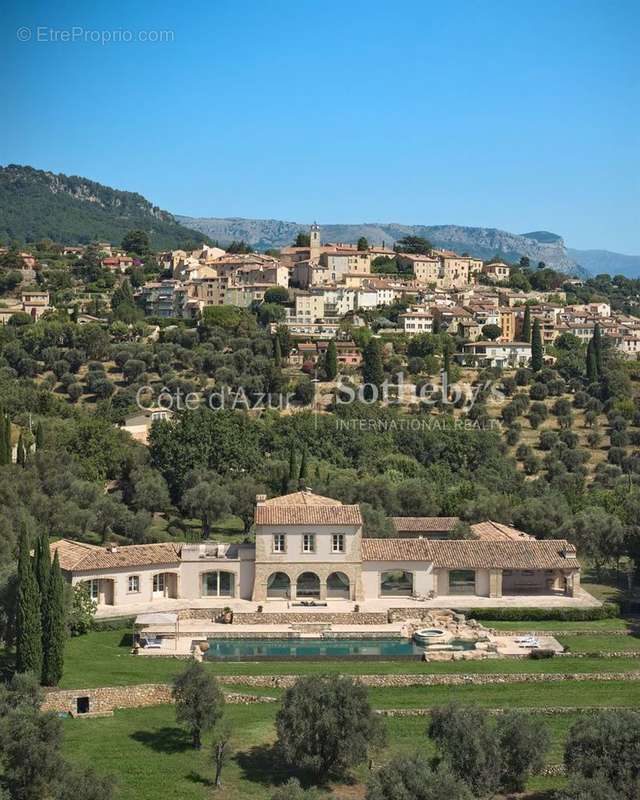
{"x": 480, "y": 242}
{"x": 604, "y": 261}
{"x": 38, "y": 205}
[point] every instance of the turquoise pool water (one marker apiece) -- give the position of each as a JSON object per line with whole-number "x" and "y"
{"x": 232, "y": 649}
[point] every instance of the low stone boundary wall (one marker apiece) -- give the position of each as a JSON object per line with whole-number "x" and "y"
{"x": 109, "y": 698}
{"x": 449, "y": 679}
{"x": 546, "y": 712}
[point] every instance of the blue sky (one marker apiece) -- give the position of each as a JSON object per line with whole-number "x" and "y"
{"x": 519, "y": 115}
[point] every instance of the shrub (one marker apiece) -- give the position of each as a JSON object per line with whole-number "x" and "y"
{"x": 538, "y": 391}
{"x": 541, "y": 653}
{"x": 548, "y": 439}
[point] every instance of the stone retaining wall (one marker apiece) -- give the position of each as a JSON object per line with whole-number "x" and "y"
{"x": 397, "y": 681}
{"x": 541, "y": 632}
{"x": 289, "y": 617}
{"x": 109, "y": 698}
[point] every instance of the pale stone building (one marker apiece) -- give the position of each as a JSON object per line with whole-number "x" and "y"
{"x": 311, "y": 548}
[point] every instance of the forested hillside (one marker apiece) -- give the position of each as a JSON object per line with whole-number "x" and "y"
{"x": 37, "y": 205}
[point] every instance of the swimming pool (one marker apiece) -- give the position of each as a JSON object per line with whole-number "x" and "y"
{"x": 234, "y": 649}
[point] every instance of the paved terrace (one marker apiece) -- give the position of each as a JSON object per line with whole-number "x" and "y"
{"x": 582, "y": 600}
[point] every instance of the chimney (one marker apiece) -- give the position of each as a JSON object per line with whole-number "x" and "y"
{"x": 112, "y": 547}
{"x": 260, "y": 499}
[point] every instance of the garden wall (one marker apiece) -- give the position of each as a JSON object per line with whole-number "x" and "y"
{"x": 108, "y": 698}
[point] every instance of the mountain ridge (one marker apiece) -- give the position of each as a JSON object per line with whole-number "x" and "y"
{"x": 480, "y": 242}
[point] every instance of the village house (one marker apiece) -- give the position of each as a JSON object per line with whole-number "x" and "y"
{"x": 495, "y": 354}
{"x": 139, "y": 425}
{"x": 117, "y": 263}
{"x": 32, "y": 302}
{"x": 416, "y": 321}
{"x": 497, "y": 271}
{"x": 309, "y": 547}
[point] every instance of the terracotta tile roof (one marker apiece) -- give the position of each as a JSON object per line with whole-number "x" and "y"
{"x": 306, "y": 508}
{"x": 497, "y": 532}
{"x": 304, "y": 498}
{"x": 473, "y": 554}
{"x": 80, "y": 557}
{"x": 424, "y": 524}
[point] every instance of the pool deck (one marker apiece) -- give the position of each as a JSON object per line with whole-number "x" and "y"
{"x": 582, "y": 600}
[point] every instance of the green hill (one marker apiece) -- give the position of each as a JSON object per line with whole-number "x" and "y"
{"x": 37, "y": 205}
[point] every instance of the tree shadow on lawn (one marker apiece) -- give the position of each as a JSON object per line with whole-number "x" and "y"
{"x": 165, "y": 740}
{"x": 196, "y": 777}
{"x": 263, "y": 764}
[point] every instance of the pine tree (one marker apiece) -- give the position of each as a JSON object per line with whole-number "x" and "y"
{"x": 526, "y": 325}
{"x": 536, "y": 347}
{"x": 54, "y": 632}
{"x": 597, "y": 347}
{"x": 28, "y": 622}
{"x": 372, "y": 369}
{"x": 277, "y": 352}
{"x": 331, "y": 361}
{"x": 39, "y": 436}
{"x": 592, "y": 364}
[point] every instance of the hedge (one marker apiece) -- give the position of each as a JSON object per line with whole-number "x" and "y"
{"x": 606, "y": 611}
{"x": 112, "y": 623}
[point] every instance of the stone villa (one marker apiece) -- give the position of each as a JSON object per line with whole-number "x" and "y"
{"x": 309, "y": 547}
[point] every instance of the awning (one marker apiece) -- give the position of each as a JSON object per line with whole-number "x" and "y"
{"x": 158, "y": 618}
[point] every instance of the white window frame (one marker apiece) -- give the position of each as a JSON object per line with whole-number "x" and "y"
{"x": 94, "y": 589}
{"x": 135, "y": 581}
{"x": 308, "y": 543}
{"x": 337, "y": 543}
{"x": 279, "y": 543}
{"x": 159, "y": 581}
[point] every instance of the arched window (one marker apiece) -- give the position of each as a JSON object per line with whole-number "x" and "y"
{"x": 308, "y": 585}
{"x": 396, "y": 583}
{"x": 338, "y": 586}
{"x": 278, "y": 585}
{"x": 218, "y": 584}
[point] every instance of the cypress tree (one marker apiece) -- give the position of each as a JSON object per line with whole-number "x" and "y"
{"x": 53, "y": 633}
{"x": 277, "y": 352}
{"x": 597, "y": 347}
{"x": 526, "y": 325}
{"x": 304, "y": 471}
{"x": 591, "y": 365}
{"x": 5, "y": 447}
{"x": 28, "y": 621}
{"x": 536, "y": 347}
{"x": 7, "y": 439}
{"x": 41, "y": 570}
{"x": 331, "y": 361}
{"x": 39, "y": 436}
{"x": 21, "y": 455}
{"x": 446, "y": 362}
{"x": 293, "y": 466}
{"x": 372, "y": 369}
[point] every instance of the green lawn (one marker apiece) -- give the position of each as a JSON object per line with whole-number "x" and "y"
{"x": 600, "y": 644}
{"x": 150, "y": 754}
{"x": 560, "y": 694}
{"x": 102, "y": 658}
{"x": 603, "y": 625}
